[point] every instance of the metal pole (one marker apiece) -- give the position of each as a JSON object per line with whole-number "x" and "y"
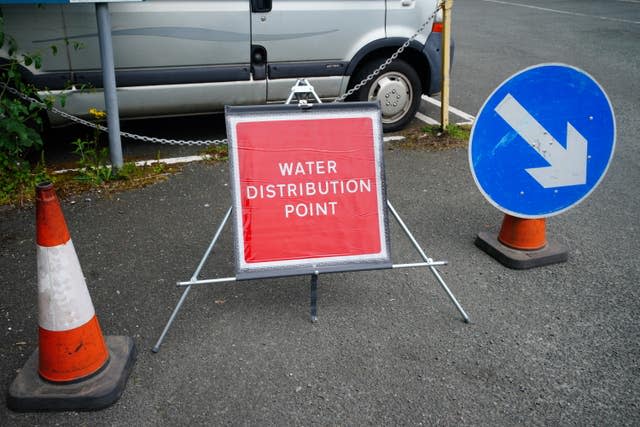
{"x": 156, "y": 348}
{"x": 109, "y": 83}
{"x": 446, "y": 62}
{"x": 428, "y": 260}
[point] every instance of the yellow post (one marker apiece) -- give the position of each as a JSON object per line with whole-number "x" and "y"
{"x": 446, "y": 62}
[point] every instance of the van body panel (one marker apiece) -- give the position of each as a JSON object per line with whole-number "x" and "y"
{"x": 190, "y": 57}
{"x": 404, "y": 17}
{"x": 165, "y": 100}
{"x": 316, "y": 30}
{"x": 47, "y": 41}
{"x": 163, "y": 34}
{"x": 325, "y": 87}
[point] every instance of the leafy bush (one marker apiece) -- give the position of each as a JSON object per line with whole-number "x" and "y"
{"x": 20, "y": 124}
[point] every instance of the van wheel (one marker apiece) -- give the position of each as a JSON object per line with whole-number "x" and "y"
{"x": 398, "y": 89}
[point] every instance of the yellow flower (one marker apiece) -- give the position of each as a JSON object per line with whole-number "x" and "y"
{"x": 97, "y": 114}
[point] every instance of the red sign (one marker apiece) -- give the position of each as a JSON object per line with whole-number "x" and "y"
{"x": 308, "y": 190}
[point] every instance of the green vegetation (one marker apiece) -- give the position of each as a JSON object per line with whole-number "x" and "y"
{"x": 461, "y": 133}
{"x": 20, "y": 125}
{"x": 93, "y": 158}
{"x": 217, "y": 152}
{"x": 22, "y": 159}
{"x": 433, "y": 138}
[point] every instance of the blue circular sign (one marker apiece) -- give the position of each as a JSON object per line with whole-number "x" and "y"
{"x": 542, "y": 141}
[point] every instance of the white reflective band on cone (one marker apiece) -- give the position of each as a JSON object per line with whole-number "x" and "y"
{"x": 63, "y": 298}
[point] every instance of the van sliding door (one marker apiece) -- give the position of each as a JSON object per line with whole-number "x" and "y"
{"x": 185, "y": 56}
{"x": 312, "y": 38}
{"x": 47, "y": 40}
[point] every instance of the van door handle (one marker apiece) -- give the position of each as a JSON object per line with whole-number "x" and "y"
{"x": 407, "y": 3}
{"x": 260, "y": 6}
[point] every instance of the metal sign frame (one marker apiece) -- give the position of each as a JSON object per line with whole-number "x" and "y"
{"x": 313, "y": 294}
{"x": 352, "y": 223}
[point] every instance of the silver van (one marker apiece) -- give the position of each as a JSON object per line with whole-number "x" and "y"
{"x": 192, "y": 57}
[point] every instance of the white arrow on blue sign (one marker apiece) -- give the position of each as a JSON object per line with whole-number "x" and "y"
{"x": 542, "y": 141}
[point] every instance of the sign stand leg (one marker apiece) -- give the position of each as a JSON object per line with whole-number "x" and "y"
{"x": 428, "y": 260}
{"x": 156, "y": 348}
{"x": 314, "y": 298}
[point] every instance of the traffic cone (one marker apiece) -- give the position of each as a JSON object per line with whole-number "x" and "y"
{"x": 70, "y": 340}
{"x": 74, "y": 368}
{"x": 521, "y": 244}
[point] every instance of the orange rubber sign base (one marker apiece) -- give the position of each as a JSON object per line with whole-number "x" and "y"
{"x": 521, "y": 233}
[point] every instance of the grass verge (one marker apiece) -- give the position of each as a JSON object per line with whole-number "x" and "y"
{"x": 433, "y": 138}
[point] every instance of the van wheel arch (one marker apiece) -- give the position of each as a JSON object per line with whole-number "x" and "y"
{"x": 398, "y": 88}
{"x": 383, "y": 49}
{"x": 374, "y": 54}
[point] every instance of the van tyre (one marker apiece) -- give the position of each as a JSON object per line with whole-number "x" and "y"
{"x": 397, "y": 87}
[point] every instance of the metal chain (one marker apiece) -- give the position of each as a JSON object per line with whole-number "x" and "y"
{"x": 102, "y": 128}
{"x": 175, "y": 141}
{"x": 52, "y": 109}
{"x": 143, "y": 138}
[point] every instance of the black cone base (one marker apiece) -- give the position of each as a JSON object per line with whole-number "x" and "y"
{"x": 29, "y": 392}
{"x": 552, "y": 253}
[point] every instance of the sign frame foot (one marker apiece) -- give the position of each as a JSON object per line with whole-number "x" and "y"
{"x": 313, "y": 300}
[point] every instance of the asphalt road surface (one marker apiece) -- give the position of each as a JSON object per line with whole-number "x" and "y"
{"x": 558, "y": 345}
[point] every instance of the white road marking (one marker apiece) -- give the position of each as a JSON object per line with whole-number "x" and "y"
{"x": 394, "y": 138}
{"x": 459, "y": 113}
{"x": 174, "y": 160}
{"x": 428, "y": 120}
{"x": 189, "y": 159}
{"x": 169, "y": 161}
{"x": 546, "y": 9}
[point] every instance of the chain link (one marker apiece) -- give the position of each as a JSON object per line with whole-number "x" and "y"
{"x": 155, "y": 140}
